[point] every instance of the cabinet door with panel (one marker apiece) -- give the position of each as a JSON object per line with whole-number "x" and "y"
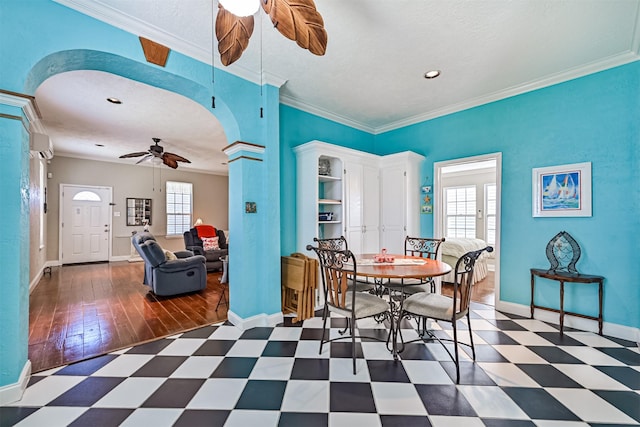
{"x": 393, "y": 208}
{"x": 363, "y": 207}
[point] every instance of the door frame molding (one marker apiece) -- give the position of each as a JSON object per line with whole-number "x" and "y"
{"x": 61, "y": 216}
{"x": 438, "y": 202}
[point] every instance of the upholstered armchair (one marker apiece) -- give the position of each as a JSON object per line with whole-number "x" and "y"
{"x": 194, "y": 243}
{"x": 186, "y": 273}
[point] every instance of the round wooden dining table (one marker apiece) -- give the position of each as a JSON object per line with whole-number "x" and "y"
{"x": 403, "y": 267}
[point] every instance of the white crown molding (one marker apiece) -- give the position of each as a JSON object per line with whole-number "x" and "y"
{"x": 133, "y": 25}
{"x": 312, "y": 109}
{"x": 130, "y": 24}
{"x": 614, "y": 61}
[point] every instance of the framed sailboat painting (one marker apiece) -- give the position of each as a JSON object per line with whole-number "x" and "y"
{"x": 562, "y": 190}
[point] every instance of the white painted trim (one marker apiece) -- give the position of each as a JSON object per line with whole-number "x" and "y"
{"x": 255, "y": 321}
{"x": 326, "y": 114}
{"x": 611, "y": 62}
{"x": 610, "y": 329}
{"x": 28, "y": 107}
{"x": 36, "y": 280}
{"x": 241, "y": 146}
{"x": 120, "y": 258}
{"x": 130, "y": 24}
{"x": 438, "y": 214}
{"x": 13, "y": 392}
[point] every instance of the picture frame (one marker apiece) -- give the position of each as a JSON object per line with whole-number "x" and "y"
{"x": 138, "y": 211}
{"x": 426, "y": 209}
{"x": 562, "y": 191}
{"x": 426, "y": 189}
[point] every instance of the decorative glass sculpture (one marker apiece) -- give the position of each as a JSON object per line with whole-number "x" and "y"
{"x": 563, "y": 253}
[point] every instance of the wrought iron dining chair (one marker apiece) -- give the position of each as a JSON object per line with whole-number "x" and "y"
{"x": 423, "y": 247}
{"x": 333, "y": 243}
{"x": 449, "y": 309}
{"x": 338, "y": 268}
{"x": 340, "y": 244}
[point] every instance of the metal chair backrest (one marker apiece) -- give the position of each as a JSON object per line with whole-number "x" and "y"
{"x": 464, "y": 280}
{"x": 337, "y": 269}
{"x": 334, "y": 243}
{"x": 422, "y": 246}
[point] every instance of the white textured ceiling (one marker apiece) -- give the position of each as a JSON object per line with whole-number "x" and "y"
{"x": 378, "y": 50}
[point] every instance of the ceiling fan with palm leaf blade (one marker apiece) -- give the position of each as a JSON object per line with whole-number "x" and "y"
{"x": 157, "y": 151}
{"x": 297, "y": 20}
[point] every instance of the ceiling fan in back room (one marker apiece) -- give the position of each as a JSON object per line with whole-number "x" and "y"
{"x": 157, "y": 151}
{"x": 297, "y": 20}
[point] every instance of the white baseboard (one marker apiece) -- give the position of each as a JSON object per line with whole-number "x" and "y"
{"x": 35, "y": 281}
{"x": 255, "y": 321}
{"x": 610, "y": 329}
{"x": 13, "y": 392}
{"x": 120, "y": 258}
{"x": 135, "y": 259}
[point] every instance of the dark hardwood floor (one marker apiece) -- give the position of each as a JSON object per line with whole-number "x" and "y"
{"x": 482, "y": 291}
{"x": 84, "y": 310}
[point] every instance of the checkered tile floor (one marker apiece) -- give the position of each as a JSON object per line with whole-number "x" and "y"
{"x": 525, "y": 374}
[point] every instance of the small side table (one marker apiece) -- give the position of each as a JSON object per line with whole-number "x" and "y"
{"x": 563, "y": 277}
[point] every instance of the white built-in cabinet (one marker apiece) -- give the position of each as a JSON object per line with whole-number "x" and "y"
{"x": 375, "y": 200}
{"x": 362, "y": 206}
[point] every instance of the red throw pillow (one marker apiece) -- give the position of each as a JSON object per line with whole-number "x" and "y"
{"x": 206, "y": 231}
{"x": 210, "y": 243}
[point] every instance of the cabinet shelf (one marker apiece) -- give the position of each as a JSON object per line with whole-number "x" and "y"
{"x": 329, "y": 222}
{"x": 328, "y": 178}
{"x": 329, "y": 202}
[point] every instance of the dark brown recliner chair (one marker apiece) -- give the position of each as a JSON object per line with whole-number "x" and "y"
{"x": 193, "y": 243}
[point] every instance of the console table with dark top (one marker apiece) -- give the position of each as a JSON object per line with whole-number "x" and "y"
{"x": 562, "y": 277}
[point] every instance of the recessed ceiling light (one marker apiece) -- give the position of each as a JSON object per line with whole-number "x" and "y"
{"x": 99, "y": 145}
{"x": 114, "y": 100}
{"x": 431, "y": 74}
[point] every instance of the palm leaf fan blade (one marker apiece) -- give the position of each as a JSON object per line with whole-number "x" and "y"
{"x": 175, "y": 157}
{"x": 138, "y": 154}
{"x": 300, "y": 21}
{"x": 169, "y": 162}
{"x": 233, "y": 33}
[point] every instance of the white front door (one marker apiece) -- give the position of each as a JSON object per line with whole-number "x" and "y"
{"x": 85, "y": 223}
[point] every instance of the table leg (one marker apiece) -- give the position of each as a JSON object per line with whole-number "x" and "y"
{"x": 533, "y": 278}
{"x": 561, "y": 306}
{"x": 600, "y": 307}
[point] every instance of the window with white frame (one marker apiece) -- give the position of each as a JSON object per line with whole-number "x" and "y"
{"x": 460, "y": 211}
{"x": 179, "y": 207}
{"x": 490, "y": 213}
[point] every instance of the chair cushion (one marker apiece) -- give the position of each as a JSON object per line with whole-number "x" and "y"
{"x": 425, "y": 304}
{"x": 366, "y": 305}
{"x": 153, "y": 253}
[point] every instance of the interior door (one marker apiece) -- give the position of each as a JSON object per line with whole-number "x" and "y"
{"x": 85, "y": 223}
{"x": 392, "y": 183}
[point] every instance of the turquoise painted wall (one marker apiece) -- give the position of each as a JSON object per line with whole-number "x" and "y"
{"x": 14, "y": 244}
{"x": 41, "y": 38}
{"x": 296, "y": 128}
{"x": 591, "y": 119}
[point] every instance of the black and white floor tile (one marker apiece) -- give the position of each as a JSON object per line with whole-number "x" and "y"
{"x": 525, "y": 374}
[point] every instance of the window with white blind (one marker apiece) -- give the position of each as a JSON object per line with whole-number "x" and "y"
{"x": 460, "y": 211}
{"x": 490, "y": 213}
{"x": 179, "y": 207}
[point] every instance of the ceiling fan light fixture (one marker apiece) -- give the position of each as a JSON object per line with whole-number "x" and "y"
{"x": 432, "y": 74}
{"x": 241, "y": 7}
{"x": 113, "y": 100}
